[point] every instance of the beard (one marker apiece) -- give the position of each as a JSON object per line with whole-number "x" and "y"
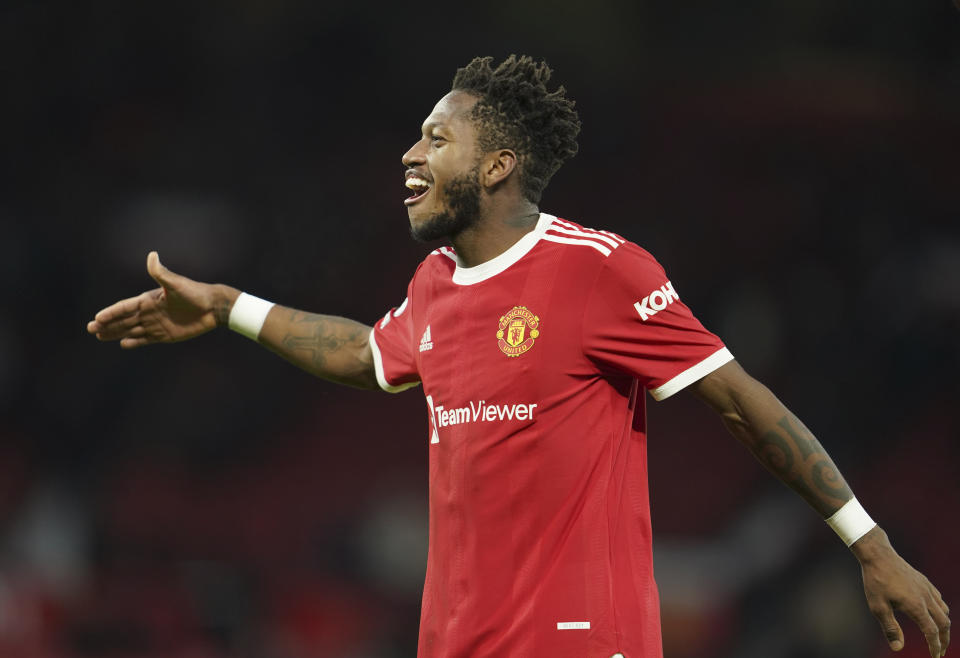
{"x": 462, "y": 211}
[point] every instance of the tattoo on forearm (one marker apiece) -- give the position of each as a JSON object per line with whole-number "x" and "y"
{"x": 319, "y": 336}
{"x": 797, "y": 458}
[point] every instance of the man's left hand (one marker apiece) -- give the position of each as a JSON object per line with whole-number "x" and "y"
{"x": 892, "y": 584}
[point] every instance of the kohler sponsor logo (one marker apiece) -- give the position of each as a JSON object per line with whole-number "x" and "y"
{"x": 656, "y": 301}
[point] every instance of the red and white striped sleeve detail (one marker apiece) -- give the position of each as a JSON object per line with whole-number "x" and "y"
{"x": 564, "y": 232}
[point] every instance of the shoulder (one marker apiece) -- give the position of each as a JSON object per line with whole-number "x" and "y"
{"x": 580, "y": 240}
{"x": 605, "y": 250}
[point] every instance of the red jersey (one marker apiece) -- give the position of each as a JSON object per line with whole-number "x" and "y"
{"x": 532, "y": 365}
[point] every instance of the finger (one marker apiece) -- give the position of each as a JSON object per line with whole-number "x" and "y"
{"x": 133, "y": 343}
{"x": 154, "y": 268}
{"x": 939, "y": 599}
{"x": 135, "y": 332}
{"x": 120, "y": 309}
{"x": 943, "y": 620}
{"x": 921, "y": 615}
{"x": 943, "y": 624}
{"x": 117, "y": 329}
{"x": 891, "y": 629}
{"x": 161, "y": 274}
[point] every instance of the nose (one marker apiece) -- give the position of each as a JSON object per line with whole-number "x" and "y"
{"x": 415, "y": 155}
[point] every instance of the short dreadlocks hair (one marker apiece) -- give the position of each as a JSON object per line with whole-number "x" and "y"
{"x": 514, "y": 110}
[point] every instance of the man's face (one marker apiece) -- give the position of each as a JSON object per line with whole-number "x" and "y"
{"x": 443, "y": 171}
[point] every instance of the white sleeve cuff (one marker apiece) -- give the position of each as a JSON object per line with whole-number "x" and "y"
{"x": 692, "y": 374}
{"x": 378, "y": 367}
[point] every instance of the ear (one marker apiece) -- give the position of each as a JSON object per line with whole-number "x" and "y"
{"x": 497, "y": 167}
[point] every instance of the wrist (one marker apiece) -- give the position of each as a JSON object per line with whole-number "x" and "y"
{"x": 224, "y": 297}
{"x": 871, "y": 546}
{"x": 851, "y": 521}
{"x": 248, "y": 315}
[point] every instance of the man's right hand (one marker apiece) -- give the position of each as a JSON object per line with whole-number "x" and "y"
{"x": 179, "y": 309}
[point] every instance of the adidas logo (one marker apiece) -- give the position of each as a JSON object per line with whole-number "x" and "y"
{"x": 426, "y": 342}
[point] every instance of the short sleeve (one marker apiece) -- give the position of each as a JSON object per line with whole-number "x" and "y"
{"x": 634, "y": 322}
{"x": 391, "y": 341}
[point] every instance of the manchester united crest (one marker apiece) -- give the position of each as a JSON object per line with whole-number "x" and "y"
{"x": 518, "y": 329}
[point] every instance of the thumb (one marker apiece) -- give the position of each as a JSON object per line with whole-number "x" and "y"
{"x": 891, "y": 629}
{"x": 155, "y": 269}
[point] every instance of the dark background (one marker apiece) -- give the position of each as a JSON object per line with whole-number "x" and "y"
{"x": 793, "y": 164}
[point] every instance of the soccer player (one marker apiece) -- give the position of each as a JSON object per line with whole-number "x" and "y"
{"x": 534, "y": 340}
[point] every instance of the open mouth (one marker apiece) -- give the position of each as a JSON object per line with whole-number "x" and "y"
{"x": 420, "y": 189}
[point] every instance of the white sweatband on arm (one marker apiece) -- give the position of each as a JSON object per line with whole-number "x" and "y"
{"x": 248, "y": 315}
{"x": 851, "y": 522}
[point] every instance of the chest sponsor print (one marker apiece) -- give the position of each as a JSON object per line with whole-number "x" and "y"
{"x": 518, "y": 330}
{"x": 476, "y": 412}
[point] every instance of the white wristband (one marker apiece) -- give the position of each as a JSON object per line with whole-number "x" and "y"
{"x": 248, "y": 315}
{"x": 851, "y": 521}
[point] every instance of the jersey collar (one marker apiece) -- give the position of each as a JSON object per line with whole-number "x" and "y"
{"x": 467, "y": 276}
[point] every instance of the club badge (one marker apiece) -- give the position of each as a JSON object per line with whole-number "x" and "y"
{"x": 518, "y": 329}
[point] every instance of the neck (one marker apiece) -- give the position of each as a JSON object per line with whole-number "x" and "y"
{"x": 494, "y": 234}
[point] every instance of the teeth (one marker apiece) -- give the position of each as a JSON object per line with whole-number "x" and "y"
{"x": 415, "y": 183}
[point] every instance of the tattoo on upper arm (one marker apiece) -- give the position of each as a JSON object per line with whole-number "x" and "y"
{"x": 796, "y": 457}
{"x": 319, "y": 336}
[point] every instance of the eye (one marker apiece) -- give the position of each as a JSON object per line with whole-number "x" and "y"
{"x": 437, "y": 139}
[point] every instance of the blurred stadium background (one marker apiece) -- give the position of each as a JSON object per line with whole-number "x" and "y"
{"x": 793, "y": 164}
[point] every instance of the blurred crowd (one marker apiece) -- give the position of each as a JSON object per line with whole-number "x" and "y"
{"x": 793, "y": 166}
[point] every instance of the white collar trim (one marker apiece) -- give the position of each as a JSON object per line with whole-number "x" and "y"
{"x": 467, "y": 276}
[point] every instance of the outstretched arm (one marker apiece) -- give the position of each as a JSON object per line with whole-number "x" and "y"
{"x": 787, "y": 449}
{"x": 331, "y": 347}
